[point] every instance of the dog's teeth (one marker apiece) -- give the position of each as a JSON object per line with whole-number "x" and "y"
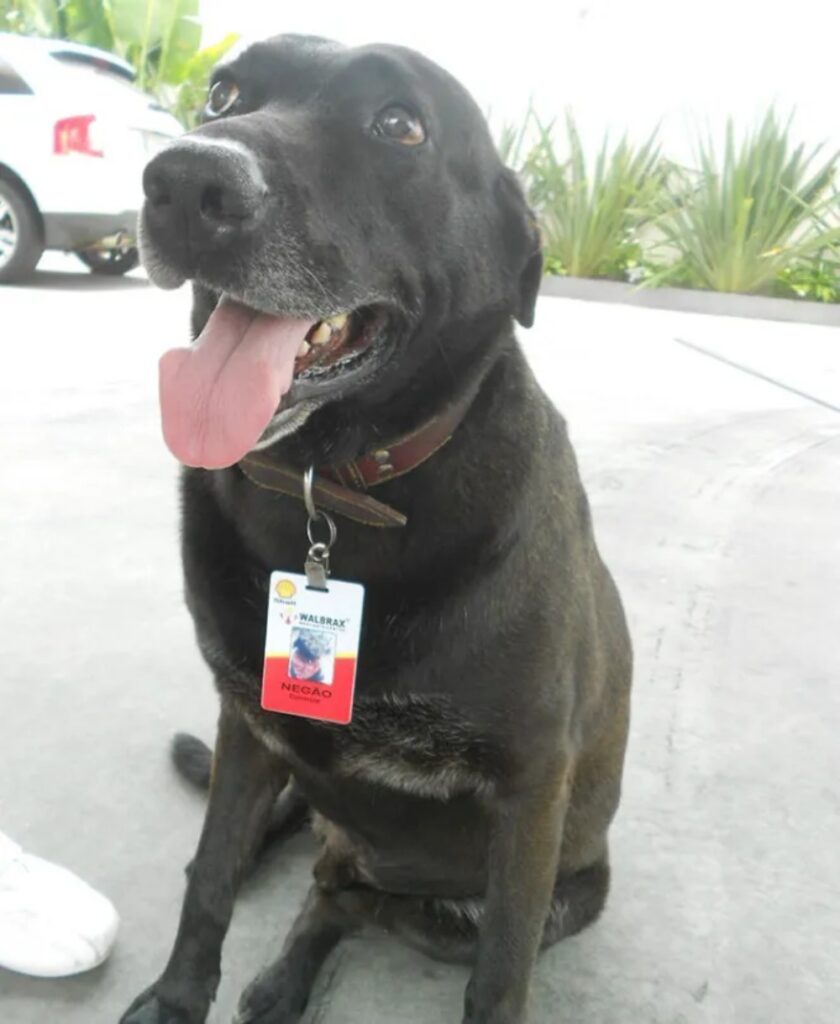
{"x": 303, "y": 350}
{"x": 337, "y": 322}
{"x": 322, "y": 335}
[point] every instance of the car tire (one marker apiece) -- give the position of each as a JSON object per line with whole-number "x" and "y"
{"x": 111, "y": 262}
{"x": 21, "y": 236}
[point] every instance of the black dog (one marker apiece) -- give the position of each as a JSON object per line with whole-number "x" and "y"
{"x": 466, "y": 806}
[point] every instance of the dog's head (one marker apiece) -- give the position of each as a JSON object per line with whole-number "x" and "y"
{"x": 350, "y": 230}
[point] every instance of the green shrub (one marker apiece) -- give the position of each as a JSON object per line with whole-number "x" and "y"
{"x": 590, "y": 219}
{"x": 817, "y": 278}
{"x": 746, "y": 219}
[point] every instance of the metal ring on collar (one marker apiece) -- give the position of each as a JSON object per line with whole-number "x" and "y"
{"x": 325, "y": 517}
{"x": 308, "y": 500}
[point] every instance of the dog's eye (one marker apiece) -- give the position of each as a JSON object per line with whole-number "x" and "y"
{"x": 223, "y": 95}
{"x": 401, "y": 125}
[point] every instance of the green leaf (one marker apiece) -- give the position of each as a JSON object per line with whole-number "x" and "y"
{"x": 202, "y": 63}
{"x": 162, "y": 35}
{"x": 193, "y": 91}
{"x": 749, "y": 211}
{"x": 88, "y": 22}
{"x": 591, "y": 214}
{"x": 180, "y": 46}
{"x": 30, "y": 17}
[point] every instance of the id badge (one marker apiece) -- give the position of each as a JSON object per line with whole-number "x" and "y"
{"x": 311, "y": 648}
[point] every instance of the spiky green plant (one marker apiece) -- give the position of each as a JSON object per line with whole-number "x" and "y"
{"x": 590, "y": 214}
{"x": 741, "y": 221}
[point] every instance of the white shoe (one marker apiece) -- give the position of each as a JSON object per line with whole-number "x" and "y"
{"x": 52, "y": 924}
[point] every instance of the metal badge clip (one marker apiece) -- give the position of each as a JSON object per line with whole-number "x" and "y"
{"x": 317, "y": 565}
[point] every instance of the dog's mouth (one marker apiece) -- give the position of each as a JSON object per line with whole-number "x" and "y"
{"x": 219, "y": 397}
{"x": 335, "y": 345}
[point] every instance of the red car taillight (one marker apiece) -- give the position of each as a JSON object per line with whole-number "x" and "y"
{"x": 73, "y": 135}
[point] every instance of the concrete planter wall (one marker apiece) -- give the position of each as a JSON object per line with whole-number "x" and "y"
{"x": 684, "y": 300}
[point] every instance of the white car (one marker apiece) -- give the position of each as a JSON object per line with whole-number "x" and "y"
{"x": 75, "y": 134}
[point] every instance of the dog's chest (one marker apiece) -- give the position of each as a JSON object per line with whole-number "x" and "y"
{"x": 426, "y": 745}
{"x": 418, "y": 745}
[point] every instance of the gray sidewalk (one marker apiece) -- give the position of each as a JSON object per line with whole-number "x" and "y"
{"x": 717, "y": 502}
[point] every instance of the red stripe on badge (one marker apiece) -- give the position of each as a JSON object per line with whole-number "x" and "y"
{"x": 308, "y": 698}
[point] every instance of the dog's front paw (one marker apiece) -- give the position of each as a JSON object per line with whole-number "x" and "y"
{"x": 151, "y": 1008}
{"x": 493, "y": 1017}
{"x": 489, "y": 1008}
{"x": 272, "y": 998}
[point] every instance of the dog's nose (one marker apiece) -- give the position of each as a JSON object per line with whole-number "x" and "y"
{"x": 214, "y": 194}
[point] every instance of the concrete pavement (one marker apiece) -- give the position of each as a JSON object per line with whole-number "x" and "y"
{"x": 717, "y": 501}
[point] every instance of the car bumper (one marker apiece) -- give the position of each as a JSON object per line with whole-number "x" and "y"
{"x": 84, "y": 230}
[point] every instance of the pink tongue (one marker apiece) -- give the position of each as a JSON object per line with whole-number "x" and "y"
{"x": 217, "y": 398}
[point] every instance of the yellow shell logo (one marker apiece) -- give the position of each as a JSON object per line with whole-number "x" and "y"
{"x": 286, "y": 589}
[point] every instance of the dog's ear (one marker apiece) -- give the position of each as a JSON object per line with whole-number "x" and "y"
{"x": 523, "y": 244}
{"x": 529, "y": 284}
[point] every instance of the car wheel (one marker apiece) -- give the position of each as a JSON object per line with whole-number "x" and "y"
{"x": 112, "y": 262}
{"x": 21, "y": 240}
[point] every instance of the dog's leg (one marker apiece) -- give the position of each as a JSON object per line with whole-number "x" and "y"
{"x": 279, "y": 994}
{"x": 246, "y": 779}
{"x": 448, "y": 929}
{"x": 193, "y": 760}
{"x": 524, "y": 850}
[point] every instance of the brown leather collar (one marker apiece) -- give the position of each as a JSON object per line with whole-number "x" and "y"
{"x": 340, "y": 488}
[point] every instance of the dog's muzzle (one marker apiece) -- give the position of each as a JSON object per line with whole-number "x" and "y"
{"x": 202, "y": 195}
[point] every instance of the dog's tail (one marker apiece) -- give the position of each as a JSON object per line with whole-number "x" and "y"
{"x": 193, "y": 759}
